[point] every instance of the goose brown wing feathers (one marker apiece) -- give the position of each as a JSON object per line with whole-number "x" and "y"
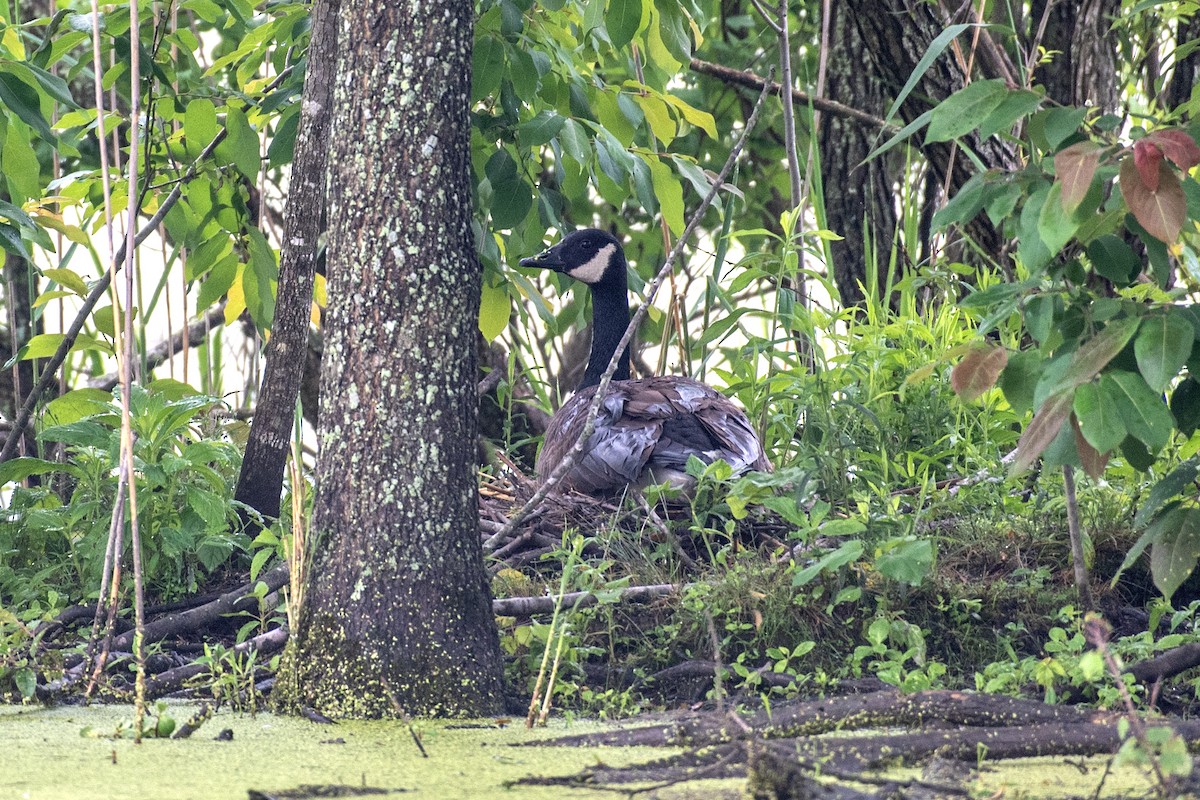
{"x": 646, "y": 431}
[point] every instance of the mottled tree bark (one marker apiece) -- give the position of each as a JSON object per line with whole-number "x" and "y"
{"x": 261, "y": 479}
{"x": 398, "y": 613}
{"x": 896, "y": 34}
{"x": 855, "y": 193}
{"x": 1083, "y": 69}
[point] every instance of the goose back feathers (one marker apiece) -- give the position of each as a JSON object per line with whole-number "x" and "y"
{"x": 646, "y": 429}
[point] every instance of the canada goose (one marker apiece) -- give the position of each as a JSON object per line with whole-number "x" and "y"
{"x": 646, "y": 429}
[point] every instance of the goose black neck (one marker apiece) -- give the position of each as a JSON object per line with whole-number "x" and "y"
{"x": 610, "y": 318}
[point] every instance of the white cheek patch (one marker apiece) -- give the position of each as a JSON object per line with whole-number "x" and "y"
{"x": 593, "y": 270}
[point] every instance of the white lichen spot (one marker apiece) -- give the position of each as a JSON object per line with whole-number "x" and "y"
{"x": 428, "y": 147}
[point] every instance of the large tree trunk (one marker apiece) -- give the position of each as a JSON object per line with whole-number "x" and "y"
{"x": 1083, "y": 68}
{"x": 398, "y": 614}
{"x": 261, "y": 479}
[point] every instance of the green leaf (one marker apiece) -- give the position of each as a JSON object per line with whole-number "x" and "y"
{"x": 1017, "y": 103}
{"x": 1055, "y": 225}
{"x": 259, "y": 280}
{"x": 909, "y": 562}
{"x": 75, "y": 405}
{"x": 1162, "y": 347}
{"x": 18, "y": 469}
{"x": 936, "y": 47}
{"x": 1114, "y": 259}
{"x": 218, "y": 281}
{"x": 623, "y": 20}
{"x": 241, "y": 145}
{"x": 657, "y": 116}
{"x": 670, "y": 195}
{"x": 43, "y": 345}
{"x": 961, "y": 112}
{"x": 1146, "y": 415}
{"x": 24, "y": 100}
{"x": 1177, "y": 480}
{"x": 494, "y": 308}
{"x": 541, "y": 129}
{"x": 283, "y": 143}
{"x": 68, "y": 279}
{"x": 199, "y": 125}
{"x": 22, "y": 170}
{"x": 848, "y": 552}
{"x": 1099, "y": 416}
{"x": 1019, "y": 379}
{"x": 1174, "y": 554}
{"x": 575, "y": 142}
{"x": 1185, "y": 406}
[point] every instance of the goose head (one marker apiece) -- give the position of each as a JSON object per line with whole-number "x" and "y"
{"x": 590, "y": 256}
{"x": 596, "y": 259}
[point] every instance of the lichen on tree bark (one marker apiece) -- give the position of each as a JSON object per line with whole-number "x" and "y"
{"x": 398, "y": 613}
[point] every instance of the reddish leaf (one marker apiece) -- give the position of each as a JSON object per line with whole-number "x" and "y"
{"x": 978, "y": 371}
{"x": 1162, "y": 212}
{"x": 1092, "y": 459}
{"x": 1075, "y": 167}
{"x": 1040, "y": 432}
{"x": 1178, "y": 146}
{"x": 1147, "y": 158}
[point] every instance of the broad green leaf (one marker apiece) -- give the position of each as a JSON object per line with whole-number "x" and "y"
{"x": 693, "y": 115}
{"x": 613, "y": 119}
{"x": 23, "y": 100}
{"x": 494, "y": 308}
{"x": 43, "y": 345}
{"x": 1114, "y": 259}
{"x": 658, "y": 117}
{"x": 1056, "y": 226}
{"x": 846, "y": 553}
{"x": 241, "y": 145}
{"x": 623, "y": 20}
{"x": 909, "y": 562}
{"x": 643, "y": 185}
{"x": 259, "y": 280}
{"x": 10, "y": 240}
{"x": 1177, "y": 480}
{"x": 68, "y": 279}
{"x": 22, "y": 171}
{"x": 1185, "y": 406}
{"x": 541, "y": 129}
{"x": 217, "y": 282}
{"x": 1053, "y": 126}
{"x": 75, "y": 405}
{"x": 1176, "y": 549}
{"x": 15, "y": 215}
{"x": 670, "y": 195}
{"x": 1016, "y": 104}
{"x": 575, "y": 142}
{"x": 1099, "y": 415}
{"x": 1019, "y": 379}
{"x": 965, "y": 204}
{"x": 1146, "y": 415}
{"x": 18, "y": 469}
{"x": 199, "y": 125}
{"x": 1163, "y": 345}
{"x": 961, "y": 112}
{"x": 283, "y": 143}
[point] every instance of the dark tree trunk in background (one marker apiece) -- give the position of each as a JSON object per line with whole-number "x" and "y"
{"x": 19, "y": 319}
{"x": 398, "y": 612}
{"x": 855, "y": 192}
{"x": 896, "y": 34}
{"x": 1082, "y": 71}
{"x": 261, "y": 479}
{"x": 1183, "y": 77}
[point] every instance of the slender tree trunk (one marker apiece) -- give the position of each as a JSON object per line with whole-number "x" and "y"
{"x": 261, "y": 479}
{"x": 398, "y": 614}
